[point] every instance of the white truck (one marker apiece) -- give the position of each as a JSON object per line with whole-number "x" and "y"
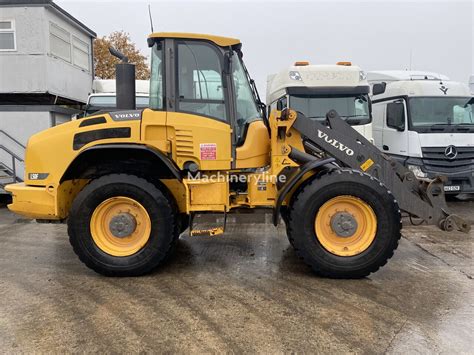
{"x": 316, "y": 89}
{"x": 103, "y": 96}
{"x": 425, "y": 121}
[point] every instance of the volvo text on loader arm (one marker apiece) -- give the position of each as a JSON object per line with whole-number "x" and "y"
{"x": 129, "y": 182}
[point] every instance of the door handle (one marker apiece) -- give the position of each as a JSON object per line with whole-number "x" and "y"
{"x": 385, "y": 147}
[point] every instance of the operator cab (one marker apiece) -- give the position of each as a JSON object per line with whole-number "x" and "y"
{"x": 205, "y": 76}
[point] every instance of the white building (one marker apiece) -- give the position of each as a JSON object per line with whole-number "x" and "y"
{"x": 46, "y": 72}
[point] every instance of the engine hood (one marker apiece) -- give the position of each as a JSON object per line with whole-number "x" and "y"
{"x": 50, "y": 152}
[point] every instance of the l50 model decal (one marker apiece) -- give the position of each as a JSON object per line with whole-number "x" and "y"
{"x": 335, "y": 143}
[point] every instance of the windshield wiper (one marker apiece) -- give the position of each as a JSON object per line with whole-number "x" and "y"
{"x": 439, "y": 126}
{"x": 464, "y": 126}
{"x": 255, "y": 94}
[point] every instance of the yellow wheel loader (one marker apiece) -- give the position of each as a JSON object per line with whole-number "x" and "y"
{"x": 129, "y": 182}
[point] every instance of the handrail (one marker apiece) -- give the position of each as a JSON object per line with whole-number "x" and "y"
{"x": 14, "y": 159}
{"x": 2, "y": 147}
{"x": 13, "y": 139}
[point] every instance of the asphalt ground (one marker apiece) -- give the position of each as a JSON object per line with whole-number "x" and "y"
{"x": 243, "y": 292}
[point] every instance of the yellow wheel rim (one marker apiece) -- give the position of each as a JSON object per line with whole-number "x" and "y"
{"x": 345, "y": 225}
{"x": 120, "y": 226}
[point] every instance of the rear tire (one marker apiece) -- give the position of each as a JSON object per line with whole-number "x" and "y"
{"x": 373, "y": 203}
{"x": 122, "y": 256}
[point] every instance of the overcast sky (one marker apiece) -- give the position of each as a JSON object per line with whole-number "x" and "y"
{"x": 376, "y": 35}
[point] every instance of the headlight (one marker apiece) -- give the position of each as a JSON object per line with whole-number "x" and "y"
{"x": 362, "y": 75}
{"x": 415, "y": 169}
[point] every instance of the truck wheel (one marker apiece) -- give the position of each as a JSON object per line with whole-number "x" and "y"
{"x": 122, "y": 225}
{"x": 345, "y": 224}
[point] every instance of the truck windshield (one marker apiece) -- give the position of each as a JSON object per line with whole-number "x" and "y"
{"x": 353, "y": 109}
{"x": 434, "y": 112}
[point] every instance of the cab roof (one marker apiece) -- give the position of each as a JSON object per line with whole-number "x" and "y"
{"x": 313, "y": 76}
{"x": 219, "y": 40}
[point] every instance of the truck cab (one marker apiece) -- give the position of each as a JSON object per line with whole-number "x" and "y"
{"x": 316, "y": 89}
{"x": 425, "y": 121}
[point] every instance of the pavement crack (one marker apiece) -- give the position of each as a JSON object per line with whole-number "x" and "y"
{"x": 440, "y": 259}
{"x": 395, "y": 335}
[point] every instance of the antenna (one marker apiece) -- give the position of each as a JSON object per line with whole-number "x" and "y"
{"x": 411, "y": 56}
{"x": 151, "y": 19}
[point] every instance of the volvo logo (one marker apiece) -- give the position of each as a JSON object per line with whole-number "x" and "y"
{"x": 451, "y": 152}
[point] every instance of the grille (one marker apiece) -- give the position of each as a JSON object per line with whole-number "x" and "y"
{"x": 435, "y": 160}
{"x": 184, "y": 143}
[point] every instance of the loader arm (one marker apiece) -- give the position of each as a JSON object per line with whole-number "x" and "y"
{"x": 421, "y": 198}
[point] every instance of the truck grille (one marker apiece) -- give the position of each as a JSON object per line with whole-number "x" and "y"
{"x": 435, "y": 160}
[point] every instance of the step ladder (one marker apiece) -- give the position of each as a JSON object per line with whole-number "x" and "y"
{"x": 207, "y": 232}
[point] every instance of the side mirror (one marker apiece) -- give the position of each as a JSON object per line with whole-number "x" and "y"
{"x": 282, "y": 104}
{"x": 379, "y": 88}
{"x": 396, "y": 116}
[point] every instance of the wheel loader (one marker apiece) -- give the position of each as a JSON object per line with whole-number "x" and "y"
{"x": 129, "y": 182}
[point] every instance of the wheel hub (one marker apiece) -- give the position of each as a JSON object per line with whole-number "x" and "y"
{"x": 343, "y": 224}
{"x": 122, "y": 225}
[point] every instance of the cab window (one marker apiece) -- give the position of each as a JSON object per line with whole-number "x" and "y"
{"x": 200, "y": 87}
{"x": 156, "y": 79}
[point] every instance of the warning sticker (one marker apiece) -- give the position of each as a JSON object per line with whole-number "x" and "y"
{"x": 208, "y": 151}
{"x": 367, "y": 164}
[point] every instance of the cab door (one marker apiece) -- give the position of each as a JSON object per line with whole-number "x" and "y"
{"x": 252, "y": 140}
{"x": 395, "y": 132}
{"x": 198, "y": 115}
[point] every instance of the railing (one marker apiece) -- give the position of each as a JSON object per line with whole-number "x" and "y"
{"x": 14, "y": 158}
{"x": 13, "y": 139}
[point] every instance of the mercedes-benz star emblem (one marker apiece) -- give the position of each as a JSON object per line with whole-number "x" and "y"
{"x": 451, "y": 152}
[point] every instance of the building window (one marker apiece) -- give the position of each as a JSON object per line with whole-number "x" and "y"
{"x": 60, "y": 42}
{"x": 7, "y": 35}
{"x": 80, "y": 54}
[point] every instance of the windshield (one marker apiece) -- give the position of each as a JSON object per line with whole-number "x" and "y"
{"x": 441, "y": 111}
{"x": 354, "y": 109}
{"x": 246, "y": 105}
{"x": 110, "y": 101}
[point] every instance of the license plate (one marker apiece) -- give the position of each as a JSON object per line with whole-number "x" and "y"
{"x": 452, "y": 188}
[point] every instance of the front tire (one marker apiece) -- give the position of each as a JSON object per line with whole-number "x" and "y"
{"x": 122, "y": 225}
{"x": 345, "y": 224}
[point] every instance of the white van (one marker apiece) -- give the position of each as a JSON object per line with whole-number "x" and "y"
{"x": 316, "y": 89}
{"x": 425, "y": 121}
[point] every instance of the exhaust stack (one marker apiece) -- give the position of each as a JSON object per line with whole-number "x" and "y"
{"x": 124, "y": 81}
